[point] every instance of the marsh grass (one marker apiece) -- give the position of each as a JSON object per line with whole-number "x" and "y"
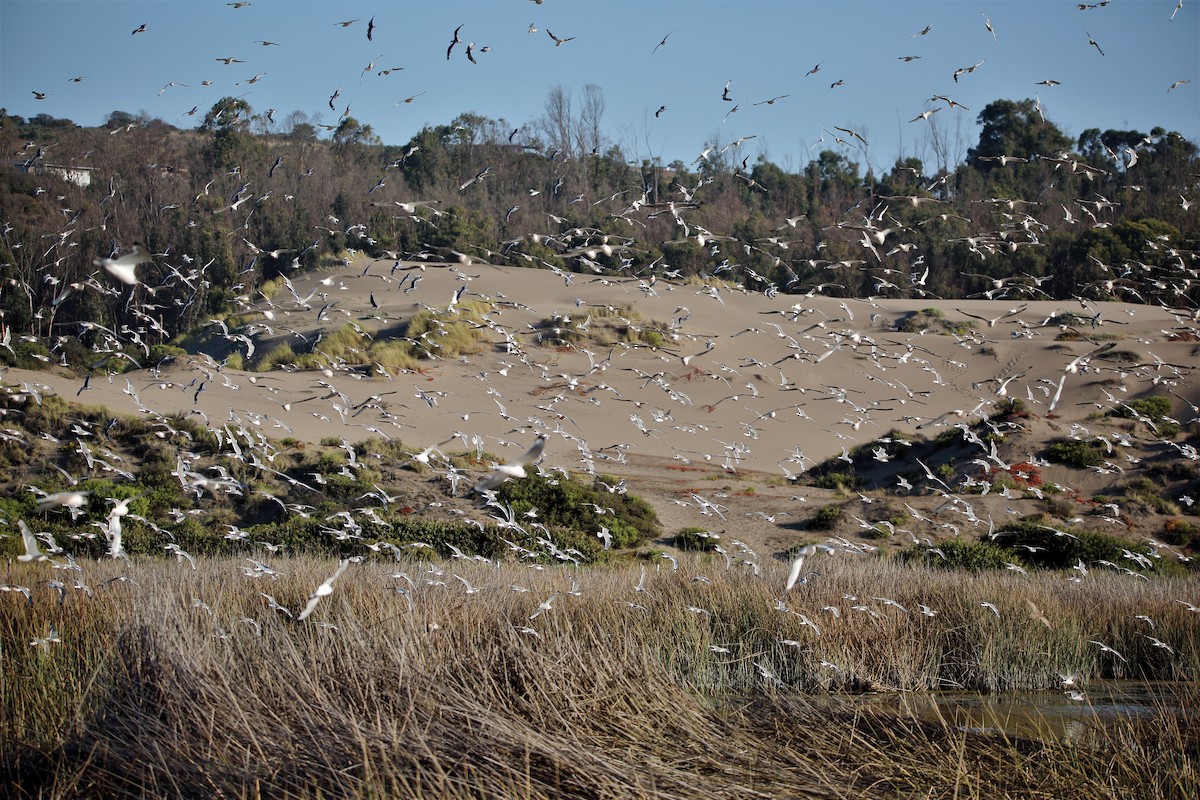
{"x": 162, "y": 687}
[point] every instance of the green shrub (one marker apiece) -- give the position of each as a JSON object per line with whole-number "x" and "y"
{"x": 160, "y": 351}
{"x": 393, "y": 356}
{"x": 652, "y": 338}
{"x": 1054, "y": 551}
{"x": 574, "y": 512}
{"x": 696, "y": 540}
{"x": 1155, "y": 407}
{"x": 28, "y": 355}
{"x": 316, "y": 536}
{"x": 1009, "y": 407}
{"x": 1144, "y": 491}
{"x": 841, "y": 481}
{"x": 958, "y": 554}
{"x": 917, "y": 321}
{"x": 445, "y": 335}
{"x": 1182, "y": 533}
{"x": 277, "y": 355}
{"x": 1077, "y": 454}
{"x": 825, "y": 518}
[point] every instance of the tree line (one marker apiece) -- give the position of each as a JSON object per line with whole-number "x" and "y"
{"x": 248, "y": 196}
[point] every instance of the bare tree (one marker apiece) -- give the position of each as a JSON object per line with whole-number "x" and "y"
{"x": 590, "y": 136}
{"x": 556, "y": 125}
{"x": 576, "y": 133}
{"x": 947, "y": 149}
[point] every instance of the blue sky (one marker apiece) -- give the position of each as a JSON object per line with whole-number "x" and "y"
{"x": 763, "y": 48}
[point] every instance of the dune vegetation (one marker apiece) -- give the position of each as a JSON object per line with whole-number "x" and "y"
{"x": 529, "y": 657}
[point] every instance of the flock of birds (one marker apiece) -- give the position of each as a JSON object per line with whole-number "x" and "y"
{"x": 672, "y": 387}
{"x": 421, "y": 578}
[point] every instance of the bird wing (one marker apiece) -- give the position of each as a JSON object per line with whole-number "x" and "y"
{"x": 31, "y": 545}
{"x": 794, "y": 575}
{"x": 323, "y": 590}
{"x": 532, "y": 454}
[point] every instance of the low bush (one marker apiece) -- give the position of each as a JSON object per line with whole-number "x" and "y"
{"x": 958, "y": 554}
{"x": 696, "y": 540}
{"x": 1076, "y": 454}
{"x": 574, "y": 512}
{"x": 825, "y": 518}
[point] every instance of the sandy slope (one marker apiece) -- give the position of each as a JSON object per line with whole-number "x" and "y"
{"x": 744, "y": 386}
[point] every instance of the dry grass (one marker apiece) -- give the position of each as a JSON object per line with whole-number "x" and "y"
{"x": 151, "y": 694}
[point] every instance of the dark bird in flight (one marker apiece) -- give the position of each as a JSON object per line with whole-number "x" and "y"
{"x": 967, "y": 70}
{"x": 371, "y": 30}
{"x": 139, "y": 29}
{"x": 849, "y": 132}
{"x": 557, "y": 41}
{"x": 454, "y": 41}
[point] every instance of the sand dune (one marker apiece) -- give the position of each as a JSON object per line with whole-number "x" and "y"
{"x": 741, "y": 382}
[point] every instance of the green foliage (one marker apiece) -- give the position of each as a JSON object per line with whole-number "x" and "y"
{"x": 653, "y": 338}
{"x": 931, "y": 318}
{"x": 1153, "y": 408}
{"x": 915, "y": 322}
{"x": 569, "y": 509}
{"x": 1009, "y": 407}
{"x": 1145, "y": 226}
{"x": 280, "y": 354}
{"x": 393, "y": 356}
{"x": 1014, "y": 128}
{"x": 229, "y": 114}
{"x": 1077, "y": 454}
{"x": 437, "y": 334}
{"x": 696, "y": 540}
{"x": 833, "y": 475}
{"x": 27, "y": 355}
{"x": 158, "y": 352}
{"x": 1055, "y": 551}
{"x": 825, "y": 518}
{"x": 1182, "y": 533}
{"x": 315, "y": 536}
{"x": 959, "y": 554}
{"x": 1144, "y": 491}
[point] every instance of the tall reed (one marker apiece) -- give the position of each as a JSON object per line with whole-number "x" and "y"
{"x": 185, "y": 683}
